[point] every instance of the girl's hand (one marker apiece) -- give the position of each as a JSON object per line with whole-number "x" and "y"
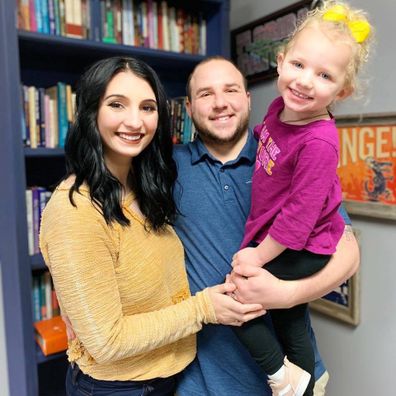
{"x": 247, "y": 256}
{"x": 229, "y": 311}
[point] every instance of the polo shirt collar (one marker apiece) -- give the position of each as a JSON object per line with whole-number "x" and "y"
{"x": 199, "y": 151}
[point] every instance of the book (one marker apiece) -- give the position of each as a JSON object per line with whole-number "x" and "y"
{"x": 36, "y": 298}
{"x": 73, "y": 19}
{"x": 51, "y": 335}
{"x": 53, "y": 134}
{"x": 23, "y": 15}
{"x": 48, "y": 294}
{"x": 165, "y": 26}
{"x": 62, "y": 113}
{"x": 29, "y": 218}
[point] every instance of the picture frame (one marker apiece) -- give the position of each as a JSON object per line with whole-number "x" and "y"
{"x": 367, "y": 164}
{"x": 343, "y": 303}
{"x": 254, "y": 46}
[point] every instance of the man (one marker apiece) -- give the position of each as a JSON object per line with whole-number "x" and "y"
{"x": 213, "y": 196}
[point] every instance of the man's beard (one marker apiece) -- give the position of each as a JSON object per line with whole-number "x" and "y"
{"x": 208, "y": 136}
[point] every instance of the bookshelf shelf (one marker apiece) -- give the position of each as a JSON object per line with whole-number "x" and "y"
{"x": 43, "y": 60}
{"x": 41, "y": 358}
{"x": 35, "y": 45}
{"x": 43, "y": 152}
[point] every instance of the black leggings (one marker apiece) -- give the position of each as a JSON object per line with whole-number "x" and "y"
{"x": 293, "y": 338}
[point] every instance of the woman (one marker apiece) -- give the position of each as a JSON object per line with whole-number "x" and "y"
{"x": 116, "y": 262}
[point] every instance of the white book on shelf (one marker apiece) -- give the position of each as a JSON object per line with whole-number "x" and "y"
{"x": 165, "y": 26}
{"x": 202, "y": 36}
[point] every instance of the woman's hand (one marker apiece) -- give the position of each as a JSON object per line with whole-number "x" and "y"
{"x": 229, "y": 311}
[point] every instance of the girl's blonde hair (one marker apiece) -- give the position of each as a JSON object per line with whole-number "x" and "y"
{"x": 343, "y": 31}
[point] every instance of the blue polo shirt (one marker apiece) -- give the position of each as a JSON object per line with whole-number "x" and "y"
{"x": 214, "y": 202}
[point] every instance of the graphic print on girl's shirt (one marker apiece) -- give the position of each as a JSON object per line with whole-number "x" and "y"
{"x": 267, "y": 150}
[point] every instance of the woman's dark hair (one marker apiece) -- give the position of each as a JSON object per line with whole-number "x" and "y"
{"x": 154, "y": 168}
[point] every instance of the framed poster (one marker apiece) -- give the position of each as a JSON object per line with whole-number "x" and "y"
{"x": 254, "y": 46}
{"x": 367, "y": 164}
{"x": 343, "y": 303}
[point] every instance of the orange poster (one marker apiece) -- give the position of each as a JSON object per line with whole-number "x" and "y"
{"x": 367, "y": 165}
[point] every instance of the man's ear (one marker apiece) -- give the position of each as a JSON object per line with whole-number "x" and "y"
{"x": 279, "y": 60}
{"x": 188, "y": 107}
{"x": 249, "y": 100}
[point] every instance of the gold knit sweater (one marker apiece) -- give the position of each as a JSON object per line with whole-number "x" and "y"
{"x": 124, "y": 289}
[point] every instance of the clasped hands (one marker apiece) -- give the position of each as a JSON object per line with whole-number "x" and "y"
{"x": 254, "y": 284}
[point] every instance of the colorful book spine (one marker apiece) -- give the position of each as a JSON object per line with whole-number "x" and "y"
{"x": 62, "y": 113}
{"x": 36, "y": 305}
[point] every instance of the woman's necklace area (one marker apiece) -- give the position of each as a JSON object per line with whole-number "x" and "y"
{"x": 313, "y": 118}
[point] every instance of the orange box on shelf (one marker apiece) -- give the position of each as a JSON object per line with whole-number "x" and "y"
{"x": 50, "y": 334}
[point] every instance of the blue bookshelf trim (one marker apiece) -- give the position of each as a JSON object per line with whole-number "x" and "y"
{"x": 14, "y": 260}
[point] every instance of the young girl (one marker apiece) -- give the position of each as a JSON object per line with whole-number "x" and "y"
{"x": 293, "y": 225}
{"x": 117, "y": 264}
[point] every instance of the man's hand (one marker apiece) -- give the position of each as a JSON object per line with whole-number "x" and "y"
{"x": 228, "y": 310}
{"x": 257, "y": 285}
{"x": 69, "y": 328}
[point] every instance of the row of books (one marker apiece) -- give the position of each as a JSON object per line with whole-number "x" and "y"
{"x": 183, "y": 130}
{"x": 44, "y": 300}
{"x": 47, "y": 114}
{"x": 36, "y": 199}
{"x": 141, "y": 23}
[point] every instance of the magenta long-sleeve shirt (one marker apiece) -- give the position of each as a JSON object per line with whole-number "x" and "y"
{"x": 295, "y": 190}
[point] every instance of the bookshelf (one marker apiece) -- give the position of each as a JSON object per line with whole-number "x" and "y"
{"x": 43, "y": 60}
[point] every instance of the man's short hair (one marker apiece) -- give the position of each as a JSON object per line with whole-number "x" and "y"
{"x": 206, "y": 60}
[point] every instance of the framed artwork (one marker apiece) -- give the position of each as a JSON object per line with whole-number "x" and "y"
{"x": 254, "y": 46}
{"x": 368, "y": 164}
{"x": 343, "y": 303}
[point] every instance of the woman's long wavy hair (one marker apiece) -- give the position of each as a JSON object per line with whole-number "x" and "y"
{"x": 154, "y": 169}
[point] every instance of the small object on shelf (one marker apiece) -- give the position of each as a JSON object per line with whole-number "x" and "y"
{"x": 51, "y": 335}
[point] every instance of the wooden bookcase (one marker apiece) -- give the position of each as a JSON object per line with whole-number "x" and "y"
{"x": 42, "y": 60}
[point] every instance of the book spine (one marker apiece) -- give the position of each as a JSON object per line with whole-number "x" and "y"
{"x": 29, "y": 217}
{"x": 42, "y": 119}
{"x": 154, "y": 28}
{"x": 32, "y": 116}
{"x": 43, "y": 305}
{"x": 62, "y": 113}
{"x": 36, "y": 298}
{"x": 32, "y": 16}
{"x": 202, "y": 35}
{"x": 96, "y": 28}
{"x": 23, "y": 15}
{"x": 48, "y": 294}
{"x": 25, "y": 116}
{"x": 39, "y": 16}
{"x": 45, "y": 16}
{"x": 51, "y": 17}
{"x": 165, "y": 26}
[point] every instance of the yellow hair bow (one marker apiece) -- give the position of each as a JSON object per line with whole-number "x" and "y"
{"x": 359, "y": 29}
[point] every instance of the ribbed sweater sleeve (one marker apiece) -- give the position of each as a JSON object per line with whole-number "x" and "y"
{"x": 83, "y": 254}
